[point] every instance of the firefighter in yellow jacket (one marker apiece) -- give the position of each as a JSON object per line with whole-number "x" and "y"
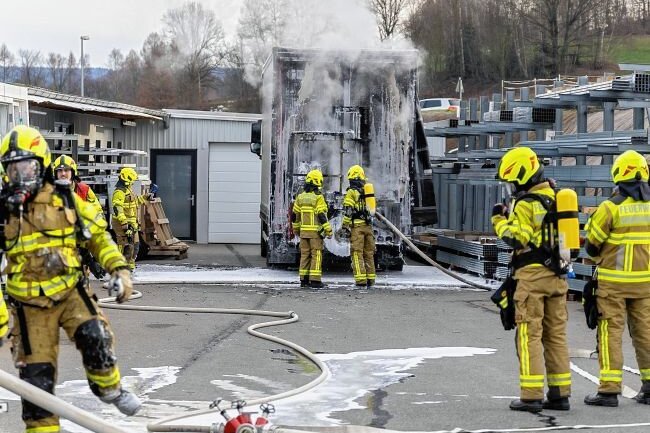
{"x": 618, "y": 238}
{"x": 357, "y": 223}
{"x": 540, "y": 296}
{"x": 44, "y": 227}
{"x": 65, "y": 170}
{"x": 124, "y": 222}
{"x": 309, "y": 221}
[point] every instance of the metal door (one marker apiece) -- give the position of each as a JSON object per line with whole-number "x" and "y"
{"x": 174, "y": 171}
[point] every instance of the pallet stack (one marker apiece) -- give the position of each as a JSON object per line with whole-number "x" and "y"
{"x": 157, "y": 233}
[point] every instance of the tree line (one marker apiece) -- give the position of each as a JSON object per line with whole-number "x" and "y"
{"x": 191, "y": 63}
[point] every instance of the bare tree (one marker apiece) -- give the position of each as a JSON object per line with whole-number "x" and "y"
{"x": 559, "y": 23}
{"x": 61, "y": 70}
{"x": 261, "y": 26}
{"x": 31, "y": 72}
{"x": 389, "y": 14}
{"x": 198, "y": 36}
{"x": 115, "y": 59}
{"x": 7, "y": 62}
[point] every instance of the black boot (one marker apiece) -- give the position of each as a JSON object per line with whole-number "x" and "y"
{"x": 370, "y": 283}
{"x": 600, "y": 399}
{"x": 533, "y": 406}
{"x": 304, "y": 282}
{"x": 317, "y": 285}
{"x": 643, "y": 398}
{"x": 561, "y": 403}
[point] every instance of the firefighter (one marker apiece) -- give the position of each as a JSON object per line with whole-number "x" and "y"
{"x": 540, "y": 296}
{"x": 618, "y": 239}
{"x": 125, "y": 205}
{"x": 357, "y": 224}
{"x": 44, "y": 225}
{"x": 65, "y": 170}
{"x": 309, "y": 221}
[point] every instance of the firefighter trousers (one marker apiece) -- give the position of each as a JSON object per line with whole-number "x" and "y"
{"x": 35, "y": 349}
{"x": 127, "y": 246}
{"x": 611, "y": 323}
{"x": 362, "y": 251}
{"x": 311, "y": 259}
{"x": 541, "y": 317}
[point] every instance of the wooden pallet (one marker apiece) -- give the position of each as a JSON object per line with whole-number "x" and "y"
{"x": 157, "y": 233}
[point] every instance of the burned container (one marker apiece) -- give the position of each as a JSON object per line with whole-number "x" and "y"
{"x": 331, "y": 110}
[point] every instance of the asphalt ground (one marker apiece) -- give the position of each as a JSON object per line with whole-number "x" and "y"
{"x": 214, "y": 357}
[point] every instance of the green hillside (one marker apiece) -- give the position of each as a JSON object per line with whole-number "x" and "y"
{"x": 630, "y": 49}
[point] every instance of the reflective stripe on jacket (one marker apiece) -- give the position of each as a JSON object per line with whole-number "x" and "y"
{"x": 618, "y": 238}
{"x": 125, "y": 203}
{"x": 524, "y": 225}
{"x": 43, "y": 260}
{"x": 310, "y": 215}
{"x": 354, "y": 208}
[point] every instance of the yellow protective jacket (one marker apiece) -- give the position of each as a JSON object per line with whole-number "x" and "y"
{"x": 125, "y": 205}
{"x": 42, "y": 248}
{"x": 523, "y": 228}
{"x": 87, "y": 194}
{"x": 309, "y": 219}
{"x": 618, "y": 238}
{"x": 354, "y": 209}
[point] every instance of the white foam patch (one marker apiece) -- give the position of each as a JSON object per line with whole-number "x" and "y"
{"x": 353, "y": 376}
{"x": 411, "y": 276}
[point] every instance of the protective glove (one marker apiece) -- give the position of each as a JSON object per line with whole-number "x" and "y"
{"x": 328, "y": 234}
{"x": 127, "y": 229}
{"x": 499, "y": 209}
{"x": 4, "y": 320}
{"x": 120, "y": 285}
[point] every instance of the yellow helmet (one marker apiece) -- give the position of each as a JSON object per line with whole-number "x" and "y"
{"x": 23, "y": 142}
{"x": 519, "y": 165}
{"x": 65, "y": 161}
{"x": 356, "y": 172}
{"x": 631, "y": 165}
{"x": 315, "y": 177}
{"x": 128, "y": 175}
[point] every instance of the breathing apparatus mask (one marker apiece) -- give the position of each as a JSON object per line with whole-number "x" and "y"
{"x": 24, "y": 179}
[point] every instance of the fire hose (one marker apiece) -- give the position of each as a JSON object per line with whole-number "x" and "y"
{"x": 428, "y": 259}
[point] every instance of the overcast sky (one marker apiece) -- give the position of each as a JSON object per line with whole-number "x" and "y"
{"x": 56, "y": 25}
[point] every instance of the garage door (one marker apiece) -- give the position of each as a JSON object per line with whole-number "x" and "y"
{"x": 234, "y": 194}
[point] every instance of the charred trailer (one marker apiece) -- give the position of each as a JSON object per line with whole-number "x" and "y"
{"x": 330, "y": 110}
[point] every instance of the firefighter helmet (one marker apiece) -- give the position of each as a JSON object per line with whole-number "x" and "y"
{"x": 63, "y": 162}
{"x": 631, "y": 165}
{"x": 314, "y": 177}
{"x": 128, "y": 175}
{"x": 23, "y": 142}
{"x": 356, "y": 172}
{"x": 519, "y": 166}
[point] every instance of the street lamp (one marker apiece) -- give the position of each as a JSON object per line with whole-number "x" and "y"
{"x": 83, "y": 38}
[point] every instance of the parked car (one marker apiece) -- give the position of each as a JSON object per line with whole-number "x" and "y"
{"x": 442, "y": 105}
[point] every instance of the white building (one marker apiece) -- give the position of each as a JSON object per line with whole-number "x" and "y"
{"x": 208, "y": 178}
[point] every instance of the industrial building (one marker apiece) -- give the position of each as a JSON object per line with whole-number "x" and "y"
{"x": 209, "y": 180}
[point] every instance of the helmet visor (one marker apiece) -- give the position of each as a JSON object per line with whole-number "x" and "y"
{"x": 25, "y": 172}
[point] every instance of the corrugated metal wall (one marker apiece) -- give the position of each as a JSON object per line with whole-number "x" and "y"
{"x": 185, "y": 133}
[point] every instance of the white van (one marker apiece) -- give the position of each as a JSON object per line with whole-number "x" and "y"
{"x": 442, "y": 105}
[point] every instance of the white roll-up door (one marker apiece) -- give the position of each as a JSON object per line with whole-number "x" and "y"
{"x": 233, "y": 194}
